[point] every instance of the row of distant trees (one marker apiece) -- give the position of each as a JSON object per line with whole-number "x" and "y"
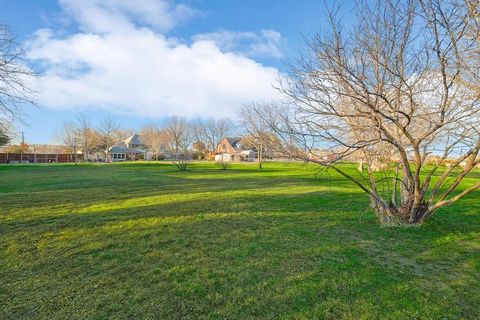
{"x": 83, "y": 135}
{"x": 179, "y": 136}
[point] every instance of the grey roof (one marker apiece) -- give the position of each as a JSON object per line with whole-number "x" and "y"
{"x": 122, "y": 149}
{"x": 235, "y": 142}
{"x": 135, "y": 139}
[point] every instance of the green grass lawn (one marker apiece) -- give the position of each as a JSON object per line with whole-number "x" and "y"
{"x": 143, "y": 241}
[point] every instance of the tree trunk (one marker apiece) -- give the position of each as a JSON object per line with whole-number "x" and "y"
{"x": 390, "y": 216}
{"x": 360, "y": 166}
{"x": 260, "y": 157}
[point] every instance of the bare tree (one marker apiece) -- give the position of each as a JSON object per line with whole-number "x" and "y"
{"x": 200, "y": 149}
{"x": 180, "y": 135}
{"x": 211, "y": 131}
{"x": 4, "y": 137}
{"x": 14, "y": 76}
{"x": 154, "y": 139}
{"x": 395, "y": 85}
{"x": 467, "y": 48}
{"x": 89, "y": 139}
{"x": 124, "y": 133}
{"x": 83, "y": 129}
{"x": 5, "y": 132}
{"x": 260, "y": 135}
{"x": 69, "y": 137}
{"x": 108, "y": 130}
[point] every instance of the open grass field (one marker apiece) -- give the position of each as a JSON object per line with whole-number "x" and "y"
{"x": 143, "y": 241}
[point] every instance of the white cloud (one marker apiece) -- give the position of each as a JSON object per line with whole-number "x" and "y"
{"x": 121, "y": 62}
{"x": 123, "y": 15}
{"x": 266, "y": 43}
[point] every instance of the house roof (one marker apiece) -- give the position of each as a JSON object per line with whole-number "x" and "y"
{"x": 135, "y": 139}
{"x": 41, "y": 149}
{"x": 235, "y": 142}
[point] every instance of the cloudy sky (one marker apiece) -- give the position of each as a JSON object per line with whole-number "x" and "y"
{"x": 142, "y": 60}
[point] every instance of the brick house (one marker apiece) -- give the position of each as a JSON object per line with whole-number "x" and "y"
{"x": 232, "y": 150}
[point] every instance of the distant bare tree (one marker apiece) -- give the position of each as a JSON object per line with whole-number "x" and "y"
{"x": 180, "y": 135}
{"x": 258, "y": 126}
{"x": 200, "y": 149}
{"x": 154, "y": 139}
{"x": 4, "y": 138}
{"x": 5, "y": 132}
{"x": 69, "y": 137}
{"x": 124, "y": 133}
{"x": 109, "y": 132}
{"x": 83, "y": 129}
{"x": 397, "y": 85}
{"x": 89, "y": 139}
{"x": 211, "y": 131}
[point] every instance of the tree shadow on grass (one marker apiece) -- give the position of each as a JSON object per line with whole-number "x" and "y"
{"x": 192, "y": 204}
{"x": 292, "y": 260}
{"x": 88, "y": 192}
{"x": 345, "y": 207}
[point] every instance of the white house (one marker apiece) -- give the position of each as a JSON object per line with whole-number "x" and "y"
{"x": 129, "y": 149}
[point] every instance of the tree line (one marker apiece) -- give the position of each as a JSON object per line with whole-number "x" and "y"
{"x": 184, "y": 139}
{"x": 176, "y": 135}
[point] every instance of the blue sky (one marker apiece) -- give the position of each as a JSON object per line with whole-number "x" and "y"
{"x": 144, "y": 60}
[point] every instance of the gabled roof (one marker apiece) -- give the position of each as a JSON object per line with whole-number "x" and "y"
{"x": 235, "y": 142}
{"x": 135, "y": 139}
